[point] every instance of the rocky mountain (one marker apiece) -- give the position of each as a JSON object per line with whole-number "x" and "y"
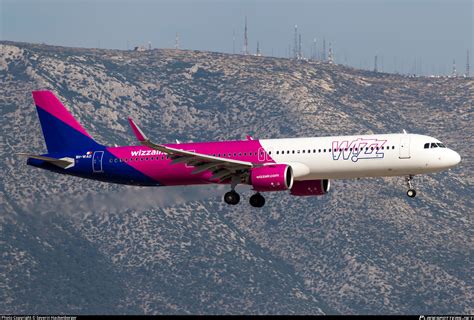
{"x": 77, "y": 246}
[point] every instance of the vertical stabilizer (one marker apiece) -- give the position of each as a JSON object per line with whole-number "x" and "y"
{"x": 61, "y": 130}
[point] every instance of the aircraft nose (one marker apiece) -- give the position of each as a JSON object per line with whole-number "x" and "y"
{"x": 457, "y": 157}
{"x": 454, "y": 158}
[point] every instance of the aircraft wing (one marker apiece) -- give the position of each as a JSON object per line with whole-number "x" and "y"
{"x": 222, "y": 168}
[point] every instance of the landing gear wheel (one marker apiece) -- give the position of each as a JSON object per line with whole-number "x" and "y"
{"x": 411, "y": 193}
{"x": 232, "y": 197}
{"x": 257, "y": 200}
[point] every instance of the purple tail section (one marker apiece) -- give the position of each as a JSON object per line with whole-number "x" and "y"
{"x": 61, "y": 131}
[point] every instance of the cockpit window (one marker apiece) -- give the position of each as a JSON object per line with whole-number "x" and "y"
{"x": 434, "y": 145}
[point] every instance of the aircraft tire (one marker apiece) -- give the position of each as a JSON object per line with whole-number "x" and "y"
{"x": 257, "y": 200}
{"x": 231, "y": 198}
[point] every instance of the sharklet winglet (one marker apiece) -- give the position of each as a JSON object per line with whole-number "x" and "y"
{"x": 137, "y": 131}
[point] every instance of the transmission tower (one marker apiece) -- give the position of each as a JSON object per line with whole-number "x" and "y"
{"x": 467, "y": 64}
{"x": 300, "y": 54}
{"x": 246, "y": 40}
{"x": 324, "y": 50}
{"x": 330, "y": 54}
{"x": 295, "y": 46}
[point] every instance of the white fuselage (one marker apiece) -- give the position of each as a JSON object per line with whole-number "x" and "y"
{"x": 341, "y": 157}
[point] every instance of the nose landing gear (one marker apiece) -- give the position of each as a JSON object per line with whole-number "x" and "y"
{"x": 411, "y": 192}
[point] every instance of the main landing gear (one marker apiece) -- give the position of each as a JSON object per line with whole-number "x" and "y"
{"x": 233, "y": 198}
{"x": 257, "y": 200}
{"x": 411, "y": 192}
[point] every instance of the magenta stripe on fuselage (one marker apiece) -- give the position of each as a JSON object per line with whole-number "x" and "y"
{"x": 49, "y": 103}
{"x": 179, "y": 174}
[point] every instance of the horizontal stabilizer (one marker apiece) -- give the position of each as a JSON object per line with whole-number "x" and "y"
{"x": 64, "y": 163}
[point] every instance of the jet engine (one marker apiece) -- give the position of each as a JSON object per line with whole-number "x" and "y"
{"x": 310, "y": 187}
{"x": 277, "y": 177}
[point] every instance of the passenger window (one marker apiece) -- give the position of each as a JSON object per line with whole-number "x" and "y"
{"x": 319, "y": 150}
{"x": 324, "y": 150}
{"x": 393, "y": 147}
{"x": 304, "y": 151}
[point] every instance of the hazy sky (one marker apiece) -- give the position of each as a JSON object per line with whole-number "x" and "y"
{"x": 400, "y": 32}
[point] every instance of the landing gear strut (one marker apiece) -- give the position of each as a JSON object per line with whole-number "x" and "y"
{"x": 257, "y": 200}
{"x": 232, "y": 197}
{"x": 411, "y": 192}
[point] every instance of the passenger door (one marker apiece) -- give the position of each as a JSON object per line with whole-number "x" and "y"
{"x": 404, "y": 147}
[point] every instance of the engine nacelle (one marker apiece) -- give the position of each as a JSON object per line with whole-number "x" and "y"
{"x": 310, "y": 187}
{"x": 277, "y": 177}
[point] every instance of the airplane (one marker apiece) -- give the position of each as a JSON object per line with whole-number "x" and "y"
{"x": 302, "y": 166}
